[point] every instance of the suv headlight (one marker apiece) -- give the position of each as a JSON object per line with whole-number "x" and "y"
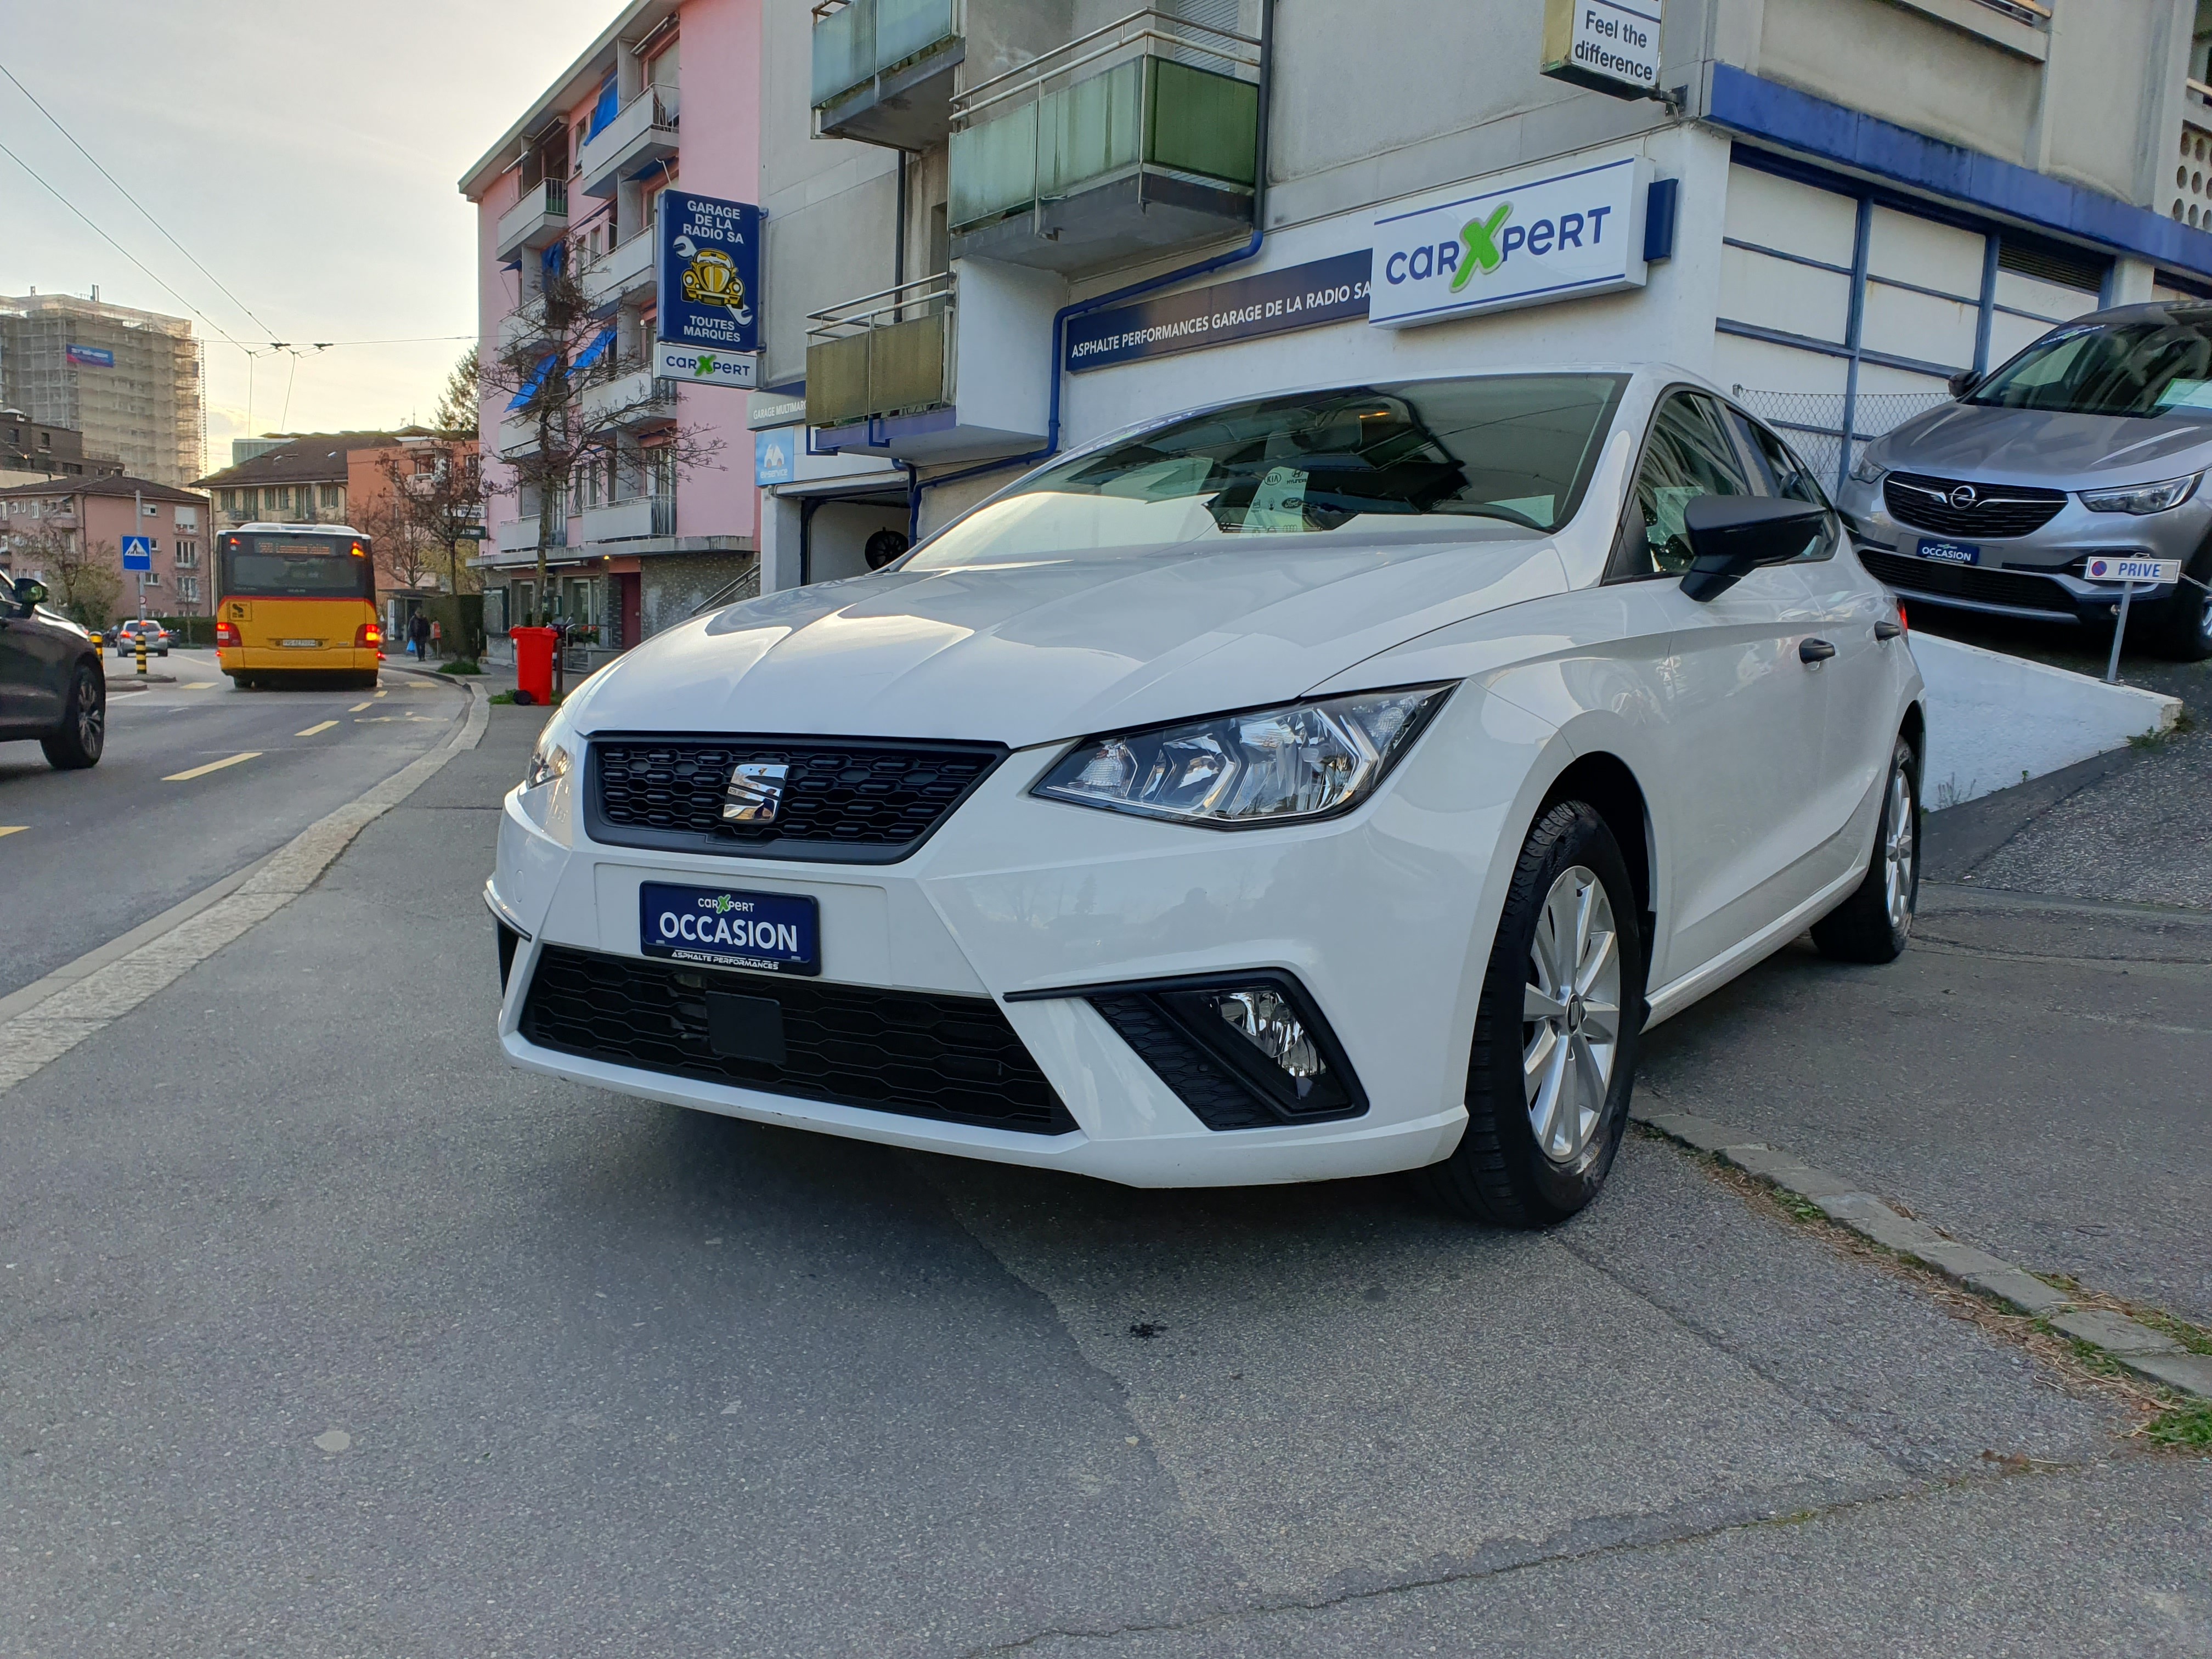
{"x": 1866, "y": 469}
{"x": 2141, "y": 498}
{"x": 554, "y": 753}
{"x": 1302, "y": 761}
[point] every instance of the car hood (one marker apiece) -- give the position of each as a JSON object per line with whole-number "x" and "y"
{"x": 2036, "y": 446}
{"x": 1038, "y": 651}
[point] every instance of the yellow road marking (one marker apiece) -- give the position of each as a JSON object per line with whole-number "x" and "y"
{"x": 380, "y": 692}
{"x": 356, "y": 708}
{"x": 312, "y": 729}
{"x": 212, "y": 766}
{"x": 199, "y": 685}
{"x": 11, "y": 828}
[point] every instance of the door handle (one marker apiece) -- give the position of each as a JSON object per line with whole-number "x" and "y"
{"x": 1814, "y": 651}
{"x": 1886, "y": 631}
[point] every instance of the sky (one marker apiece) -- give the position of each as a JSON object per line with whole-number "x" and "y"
{"x": 307, "y": 153}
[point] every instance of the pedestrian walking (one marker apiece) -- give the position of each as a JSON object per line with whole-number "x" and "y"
{"x": 418, "y": 636}
{"x": 437, "y": 638}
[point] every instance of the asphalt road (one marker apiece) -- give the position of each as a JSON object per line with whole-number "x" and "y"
{"x": 85, "y": 856}
{"x": 340, "y": 1338}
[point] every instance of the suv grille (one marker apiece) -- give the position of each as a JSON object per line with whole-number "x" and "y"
{"x": 1996, "y": 510}
{"x": 852, "y": 801}
{"x": 918, "y": 1053}
{"x": 1967, "y": 581}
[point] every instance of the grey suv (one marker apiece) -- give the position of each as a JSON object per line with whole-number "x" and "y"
{"x": 2092, "y": 441}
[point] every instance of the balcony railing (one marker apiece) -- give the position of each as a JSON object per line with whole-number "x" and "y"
{"x": 877, "y": 66}
{"x": 538, "y": 220}
{"x": 641, "y": 133}
{"x": 624, "y": 270}
{"x": 1151, "y": 96}
{"x": 884, "y": 354}
{"x": 631, "y": 518}
{"x": 636, "y": 398}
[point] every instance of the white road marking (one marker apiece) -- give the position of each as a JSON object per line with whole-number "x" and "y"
{"x": 212, "y": 766}
{"x": 312, "y": 729}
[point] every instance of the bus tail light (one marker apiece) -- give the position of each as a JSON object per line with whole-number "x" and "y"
{"x": 367, "y": 637}
{"x": 226, "y": 633}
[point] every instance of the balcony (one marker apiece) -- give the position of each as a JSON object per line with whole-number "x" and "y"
{"x": 519, "y": 535}
{"x": 623, "y": 272}
{"x": 883, "y": 69}
{"x": 518, "y": 436}
{"x": 627, "y": 402}
{"x": 884, "y": 372}
{"x": 634, "y": 519}
{"x": 519, "y": 323}
{"x": 641, "y": 136}
{"x": 538, "y": 220}
{"x": 1116, "y": 147}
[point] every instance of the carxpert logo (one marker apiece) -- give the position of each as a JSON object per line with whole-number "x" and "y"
{"x": 1543, "y": 239}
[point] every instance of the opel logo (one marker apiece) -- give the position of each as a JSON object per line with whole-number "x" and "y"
{"x": 755, "y": 792}
{"x": 1964, "y": 497}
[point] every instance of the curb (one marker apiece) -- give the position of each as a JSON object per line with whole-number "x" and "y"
{"x": 2136, "y": 1347}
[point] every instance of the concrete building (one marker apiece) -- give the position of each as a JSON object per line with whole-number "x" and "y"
{"x": 92, "y": 515}
{"x": 129, "y": 380}
{"x": 31, "y": 450}
{"x": 998, "y": 228}
{"x": 668, "y": 91}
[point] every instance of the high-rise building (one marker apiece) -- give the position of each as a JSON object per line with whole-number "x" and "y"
{"x": 128, "y": 379}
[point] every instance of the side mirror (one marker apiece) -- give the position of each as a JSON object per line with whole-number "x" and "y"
{"x": 1731, "y": 536}
{"x": 1963, "y": 382}
{"x": 29, "y": 593}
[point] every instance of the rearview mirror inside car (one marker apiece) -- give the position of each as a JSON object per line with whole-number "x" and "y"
{"x": 1963, "y": 382}
{"x": 1731, "y": 536}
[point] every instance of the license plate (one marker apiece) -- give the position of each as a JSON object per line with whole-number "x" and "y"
{"x": 307, "y": 644}
{"x": 1950, "y": 552}
{"x": 769, "y": 932}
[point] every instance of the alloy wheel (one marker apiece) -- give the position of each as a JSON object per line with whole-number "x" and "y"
{"x": 1571, "y": 1015}
{"x": 91, "y": 714}
{"x": 1898, "y": 850}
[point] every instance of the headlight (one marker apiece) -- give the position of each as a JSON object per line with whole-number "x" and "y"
{"x": 553, "y": 754}
{"x": 1307, "y": 760}
{"x": 1866, "y": 469}
{"x": 2141, "y": 498}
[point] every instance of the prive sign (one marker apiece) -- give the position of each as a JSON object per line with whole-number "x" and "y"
{"x": 1547, "y": 238}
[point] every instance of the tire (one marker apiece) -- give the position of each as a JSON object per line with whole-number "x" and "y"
{"x": 365, "y": 680}
{"x": 1506, "y": 1170}
{"x": 1874, "y": 923}
{"x": 83, "y": 733}
{"x": 2182, "y": 630}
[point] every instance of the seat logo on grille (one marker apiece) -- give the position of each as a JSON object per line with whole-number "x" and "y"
{"x": 1963, "y": 497}
{"x": 755, "y": 794}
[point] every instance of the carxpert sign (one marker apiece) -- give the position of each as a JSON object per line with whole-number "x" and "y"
{"x": 709, "y": 256}
{"x": 1332, "y": 290}
{"x": 697, "y": 367}
{"x": 1545, "y": 239}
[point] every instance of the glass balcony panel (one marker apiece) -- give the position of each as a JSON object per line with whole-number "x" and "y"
{"x": 1090, "y": 130}
{"x": 844, "y": 50}
{"x": 1203, "y": 122}
{"x": 993, "y": 168}
{"x": 907, "y": 29}
{"x": 837, "y": 380}
{"x": 906, "y": 365}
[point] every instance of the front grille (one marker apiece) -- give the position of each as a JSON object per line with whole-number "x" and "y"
{"x": 918, "y": 1053}
{"x": 1967, "y": 581}
{"x": 1997, "y": 511}
{"x": 859, "y": 802}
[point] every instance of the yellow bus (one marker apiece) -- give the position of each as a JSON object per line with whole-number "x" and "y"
{"x": 296, "y": 600}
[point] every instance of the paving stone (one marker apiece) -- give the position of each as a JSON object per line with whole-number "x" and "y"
{"x": 2020, "y": 1288}
{"x": 2114, "y": 1333}
{"x": 1702, "y": 1132}
{"x": 2191, "y": 1373}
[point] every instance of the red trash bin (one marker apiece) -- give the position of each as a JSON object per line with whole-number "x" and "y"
{"x": 533, "y": 662}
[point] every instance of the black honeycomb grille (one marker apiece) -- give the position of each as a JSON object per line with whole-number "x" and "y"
{"x": 1996, "y": 510}
{"x": 1202, "y": 1083}
{"x": 920, "y": 1054}
{"x": 1966, "y": 581}
{"x": 864, "y": 802}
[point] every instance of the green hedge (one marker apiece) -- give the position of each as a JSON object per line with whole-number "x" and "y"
{"x": 190, "y": 631}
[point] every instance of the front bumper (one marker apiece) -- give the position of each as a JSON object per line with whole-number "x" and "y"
{"x": 1377, "y": 915}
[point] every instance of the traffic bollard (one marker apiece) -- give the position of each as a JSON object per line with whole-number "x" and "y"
{"x": 142, "y": 655}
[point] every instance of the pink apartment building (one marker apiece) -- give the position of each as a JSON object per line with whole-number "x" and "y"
{"x": 669, "y": 91}
{"x": 93, "y": 516}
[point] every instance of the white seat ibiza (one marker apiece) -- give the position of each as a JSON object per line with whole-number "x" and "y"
{"x": 1322, "y": 785}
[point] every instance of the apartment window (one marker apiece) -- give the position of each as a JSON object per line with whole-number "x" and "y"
{"x": 188, "y": 554}
{"x": 334, "y": 498}
{"x": 188, "y": 587}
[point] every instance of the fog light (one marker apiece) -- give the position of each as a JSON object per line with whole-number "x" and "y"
{"x": 1266, "y": 1019}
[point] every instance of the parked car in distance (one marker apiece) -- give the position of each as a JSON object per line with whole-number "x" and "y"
{"x": 2092, "y": 442}
{"x": 128, "y": 634}
{"x": 51, "y": 685}
{"x": 1322, "y": 785}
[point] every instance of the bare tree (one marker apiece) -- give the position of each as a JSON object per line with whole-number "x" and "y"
{"x": 437, "y": 491}
{"x": 569, "y": 378}
{"x": 456, "y": 414}
{"x": 402, "y": 551}
{"x": 85, "y": 584}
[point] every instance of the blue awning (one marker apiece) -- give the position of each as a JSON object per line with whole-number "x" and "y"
{"x": 530, "y": 386}
{"x": 596, "y": 349}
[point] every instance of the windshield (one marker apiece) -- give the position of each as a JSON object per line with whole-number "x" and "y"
{"x": 295, "y": 567}
{"x": 2161, "y": 366}
{"x": 1435, "y": 455}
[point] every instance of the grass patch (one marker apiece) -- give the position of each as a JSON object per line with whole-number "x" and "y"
{"x": 509, "y": 697}
{"x": 2182, "y": 726}
{"x": 2188, "y": 1427}
{"x": 459, "y": 665}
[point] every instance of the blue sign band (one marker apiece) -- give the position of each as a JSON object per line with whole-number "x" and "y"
{"x": 1332, "y": 290}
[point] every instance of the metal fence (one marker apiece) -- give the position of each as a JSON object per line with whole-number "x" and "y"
{"x": 1813, "y": 422}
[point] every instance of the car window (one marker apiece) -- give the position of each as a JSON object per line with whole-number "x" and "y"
{"x": 1688, "y": 454}
{"x": 2153, "y": 368}
{"x": 1784, "y": 475}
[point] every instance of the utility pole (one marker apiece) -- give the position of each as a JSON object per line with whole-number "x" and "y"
{"x": 138, "y": 528}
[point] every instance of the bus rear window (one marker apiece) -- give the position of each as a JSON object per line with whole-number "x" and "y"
{"x": 291, "y": 566}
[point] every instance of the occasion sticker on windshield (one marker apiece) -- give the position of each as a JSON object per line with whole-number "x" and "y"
{"x": 768, "y": 932}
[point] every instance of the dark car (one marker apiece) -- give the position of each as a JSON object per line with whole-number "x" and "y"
{"x": 127, "y": 635}
{"x": 51, "y": 685}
